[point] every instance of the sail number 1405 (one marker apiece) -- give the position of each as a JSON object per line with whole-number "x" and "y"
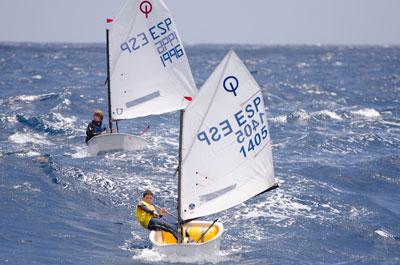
{"x": 254, "y": 141}
{"x": 248, "y": 126}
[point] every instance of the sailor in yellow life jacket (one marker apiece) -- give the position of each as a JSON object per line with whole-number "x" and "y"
{"x": 149, "y": 218}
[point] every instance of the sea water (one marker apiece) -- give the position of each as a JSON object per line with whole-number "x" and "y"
{"x": 334, "y": 115}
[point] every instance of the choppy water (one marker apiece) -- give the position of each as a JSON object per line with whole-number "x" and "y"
{"x": 335, "y": 122}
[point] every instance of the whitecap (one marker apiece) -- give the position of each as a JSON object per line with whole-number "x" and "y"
{"x": 63, "y": 122}
{"x": 366, "y": 113}
{"x": 384, "y": 234}
{"x": 302, "y": 65}
{"x": 29, "y": 98}
{"x": 37, "y": 77}
{"x": 26, "y": 187}
{"x": 80, "y": 152}
{"x": 66, "y": 102}
{"x": 298, "y": 116}
{"x": 29, "y": 154}
{"x": 151, "y": 255}
{"x": 10, "y": 119}
{"x": 327, "y": 113}
{"x": 279, "y": 119}
{"x": 28, "y": 137}
{"x": 327, "y": 57}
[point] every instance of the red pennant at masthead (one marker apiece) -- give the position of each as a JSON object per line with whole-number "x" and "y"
{"x": 109, "y": 20}
{"x": 188, "y": 98}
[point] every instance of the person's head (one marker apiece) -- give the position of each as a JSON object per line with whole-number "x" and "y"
{"x": 148, "y": 196}
{"x": 98, "y": 115}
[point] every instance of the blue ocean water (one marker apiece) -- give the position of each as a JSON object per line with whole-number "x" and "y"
{"x": 334, "y": 116}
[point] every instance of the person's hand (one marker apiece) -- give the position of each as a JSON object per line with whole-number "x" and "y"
{"x": 163, "y": 211}
{"x": 155, "y": 214}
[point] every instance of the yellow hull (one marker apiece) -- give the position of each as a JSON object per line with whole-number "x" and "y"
{"x": 192, "y": 243}
{"x": 192, "y": 234}
{"x": 165, "y": 243}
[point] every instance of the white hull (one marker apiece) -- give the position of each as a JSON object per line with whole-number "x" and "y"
{"x": 211, "y": 247}
{"x": 115, "y": 142}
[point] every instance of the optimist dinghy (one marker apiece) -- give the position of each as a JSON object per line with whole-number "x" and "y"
{"x": 225, "y": 157}
{"x": 115, "y": 142}
{"x": 195, "y": 245}
{"x": 148, "y": 72}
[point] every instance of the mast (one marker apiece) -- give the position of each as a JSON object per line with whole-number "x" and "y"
{"x": 180, "y": 222}
{"x": 182, "y": 112}
{"x": 108, "y": 82}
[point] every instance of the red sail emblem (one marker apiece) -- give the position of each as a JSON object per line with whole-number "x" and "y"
{"x": 146, "y": 7}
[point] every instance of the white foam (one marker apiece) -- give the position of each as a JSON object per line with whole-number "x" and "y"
{"x": 28, "y": 137}
{"x": 366, "y": 113}
{"x": 63, "y": 122}
{"x": 66, "y": 101}
{"x": 26, "y": 186}
{"x": 384, "y": 234}
{"x": 28, "y": 98}
{"x": 279, "y": 207}
{"x": 298, "y": 116}
{"x": 331, "y": 114}
{"x": 37, "y": 77}
{"x": 327, "y": 57}
{"x": 279, "y": 119}
{"x": 151, "y": 255}
{"x": 10, "y": 119}
{"x": 302, "y": 65}
{"x": 29, "y": 154}
{"x": 397, "y": 124}
{"x": 80, "y": 152}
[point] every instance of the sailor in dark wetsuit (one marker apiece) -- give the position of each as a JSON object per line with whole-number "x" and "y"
{"x": 95, "y": 127}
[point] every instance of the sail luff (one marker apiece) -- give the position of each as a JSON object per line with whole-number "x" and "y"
{"x": 182, "y": 113}
{"x": 108, "y": 81}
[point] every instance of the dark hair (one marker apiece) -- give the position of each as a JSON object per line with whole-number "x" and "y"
{"x": 147, "y": 192}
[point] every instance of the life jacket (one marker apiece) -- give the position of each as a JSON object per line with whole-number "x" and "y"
{"x": 99, "y": 127}
{"x": 94, "y": 128}
{"x": 144, "y": 213}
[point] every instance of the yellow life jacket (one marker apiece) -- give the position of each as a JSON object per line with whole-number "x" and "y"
{"x": 144, "y": 212}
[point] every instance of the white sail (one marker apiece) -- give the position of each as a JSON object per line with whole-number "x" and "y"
{"x": 226, "y": 149}
{"x": 150, "y": 73}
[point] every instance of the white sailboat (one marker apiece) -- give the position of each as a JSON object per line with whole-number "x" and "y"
{"x": 225, "y": 156}
{"x": 148, "y": 71}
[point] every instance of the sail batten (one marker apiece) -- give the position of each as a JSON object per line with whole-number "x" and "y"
{"x": 226, "y": 145}
{"x": 150, "y": 72}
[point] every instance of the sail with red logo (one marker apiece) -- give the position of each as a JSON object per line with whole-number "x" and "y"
{"x": 149, "y": 68}
{"x": 148, "y": 71}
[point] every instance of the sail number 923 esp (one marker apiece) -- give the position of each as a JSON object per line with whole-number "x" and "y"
{"x": 164, "y": 39}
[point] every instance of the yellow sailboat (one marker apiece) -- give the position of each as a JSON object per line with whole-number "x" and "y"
{"x": 225, "y": 157}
